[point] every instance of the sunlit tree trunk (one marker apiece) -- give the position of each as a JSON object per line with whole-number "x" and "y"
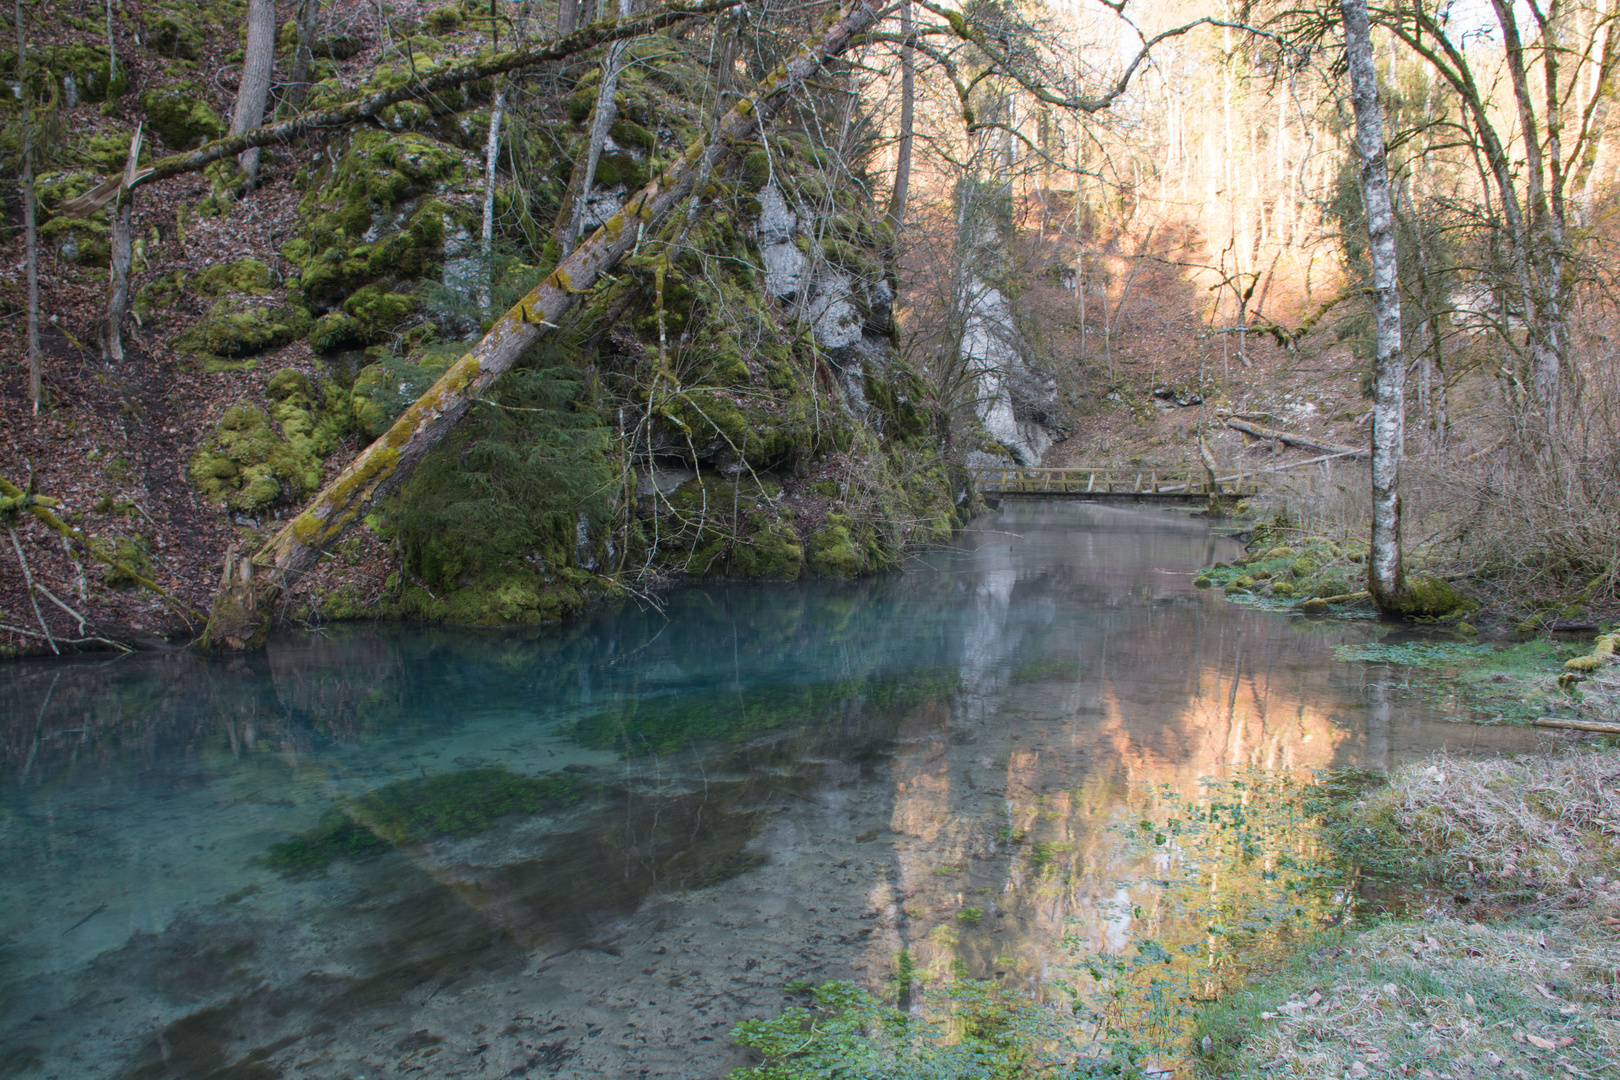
{"x": 254, "y": 91}
{"x": 908, "y": 96}
{"x": 1385, "y": 574}
{"x": 248, "y": 592}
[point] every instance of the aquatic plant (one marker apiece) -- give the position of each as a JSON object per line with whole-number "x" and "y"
{"x": 657, "y": 725}
{"x": 422, "y": 808}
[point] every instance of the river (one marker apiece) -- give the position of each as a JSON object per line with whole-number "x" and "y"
{"x": 590, "y": 850}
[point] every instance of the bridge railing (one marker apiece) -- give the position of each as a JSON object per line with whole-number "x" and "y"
{"x": 1095, "y": 482}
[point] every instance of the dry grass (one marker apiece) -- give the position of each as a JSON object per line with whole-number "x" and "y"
{"x": 1547, "y": 821}
{"x": 1436, "y": 997}
{"x": 1433, "y": 999}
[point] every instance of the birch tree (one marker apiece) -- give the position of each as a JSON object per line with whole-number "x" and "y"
{"x": 1385, "y": 574}
{"x": 249, "y": 587}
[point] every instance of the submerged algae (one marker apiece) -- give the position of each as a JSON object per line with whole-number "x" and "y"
{"x": 456, "y": 804}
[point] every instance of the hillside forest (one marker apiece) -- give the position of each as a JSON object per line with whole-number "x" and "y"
{"x": 482, "y": 312}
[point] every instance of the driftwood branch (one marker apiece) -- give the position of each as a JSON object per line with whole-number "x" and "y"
{"x": 1293, "y": 439}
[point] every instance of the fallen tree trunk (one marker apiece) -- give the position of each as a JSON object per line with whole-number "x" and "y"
{"x": 362, "y": 108}
{"x": 241, "y": 614}
{"x": 1292, "y": 439}
{"x": 1576, "y": 725}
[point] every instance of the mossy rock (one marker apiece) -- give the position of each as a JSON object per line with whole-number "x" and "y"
{"x": 237, "y": 328}
{"x": 180, "y": 115}
{"x": 832, "y": 551}
{"x": 247, "y": 464}
{"x": 314, "y": 419}
{"x": 771, "y": 552}
{"x": 172, "y": 30}
{"x": 243, "y": 276}
{"x": 337, "y": 46}
{"x": 81, "y": 241}
{"x": 333, "y": 331}
{"x": 505, "y": 596}
{"x": 445, "y": 20}
{"x": 377, "y": 312}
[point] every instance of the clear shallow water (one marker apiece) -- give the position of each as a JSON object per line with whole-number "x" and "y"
{"x": 767, "y": 783}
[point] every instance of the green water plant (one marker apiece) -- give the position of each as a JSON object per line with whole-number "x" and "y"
{"x": 456, "y": 804}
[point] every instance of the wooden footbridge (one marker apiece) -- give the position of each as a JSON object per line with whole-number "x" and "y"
{"x": 1131, "y": 484}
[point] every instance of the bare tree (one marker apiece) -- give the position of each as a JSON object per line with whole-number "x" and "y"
{"x": 30, "y": 228}
{"x": 254, "y": 92}
{"x": 118, "y": 269}
{"x": 908, "y": 100}
{"x": 298, "y": 84}
{"x": 1386, "y": 579}
{"x": 603, "y": 113}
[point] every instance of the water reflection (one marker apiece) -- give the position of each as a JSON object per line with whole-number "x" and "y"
{"x": 777, "y": 782}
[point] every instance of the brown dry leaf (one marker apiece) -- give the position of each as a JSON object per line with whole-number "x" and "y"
{"x": 1545, "y": 1044}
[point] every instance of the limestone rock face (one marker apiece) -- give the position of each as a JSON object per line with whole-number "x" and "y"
{"x": 1018, "y": 403}
{"x": 848, "y": 314}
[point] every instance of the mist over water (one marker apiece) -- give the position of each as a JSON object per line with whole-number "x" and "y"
{"x": 971, "y": 763}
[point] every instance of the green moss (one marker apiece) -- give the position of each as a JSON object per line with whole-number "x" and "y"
{"x": 445, "y": 20}
{"x": 770, "y": 552}
{"x": 235, "y": 328}
{"x": 242, "y": 276}
{"x": 248, "y": 464}
{"x": 154, "y": 301}
{"x": 832, "y": 550}
{"x": 129, "y": 553}
{"x": 338, "y": 836}
{"x": 333, "y": 331}
{"x": 82, "y": 241}
{"x": 1428, "y": 598}
{"x": 659, "y": 725}
{"x": 377, "y": 312}
{"x": 171, "y": 30}
{"x": 179, "y": 114}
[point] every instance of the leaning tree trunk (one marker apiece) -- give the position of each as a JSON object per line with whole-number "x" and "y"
{"x": 603, "y": 113}
{"x": 1385, "y": 575}
{"x": 254, "y": 92}
{"x": 119, "y": 266}
{"x": 241, "y": 613}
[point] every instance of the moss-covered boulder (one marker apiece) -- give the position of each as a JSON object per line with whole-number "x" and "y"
{"x": 238, "y": 327}
{"x": 179, "y": 114}
{"x": 510, "y": 595}
{"x": 771, "y": 551}
{"x": 81, "y": 241}
{"x": 832, "y": 550}
{"x": 247, "y": 464}
{"x": 313, "y": 418}
{"x": 154, "y": 300}
{"x": 242, "y": 276}
{"x": 129, "y": 554}
{"x": 173, "y": 30}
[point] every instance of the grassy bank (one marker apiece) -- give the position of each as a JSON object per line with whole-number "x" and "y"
{"x": 1523, "y": 980}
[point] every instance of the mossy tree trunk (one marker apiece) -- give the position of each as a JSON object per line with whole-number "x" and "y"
{"x": 1385, "y": 575}
{"x": 241, "y": 614}
{"x": 120, "y": 264}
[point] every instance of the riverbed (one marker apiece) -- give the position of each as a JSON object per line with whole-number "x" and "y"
{"x": 980, "y": 768}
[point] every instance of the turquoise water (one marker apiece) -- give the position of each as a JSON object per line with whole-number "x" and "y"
{"x": 755, "y": 784}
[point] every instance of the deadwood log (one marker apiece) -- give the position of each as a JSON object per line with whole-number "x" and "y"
{"x": 1292, "y": 439}
{"x": 241, "y": 614}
